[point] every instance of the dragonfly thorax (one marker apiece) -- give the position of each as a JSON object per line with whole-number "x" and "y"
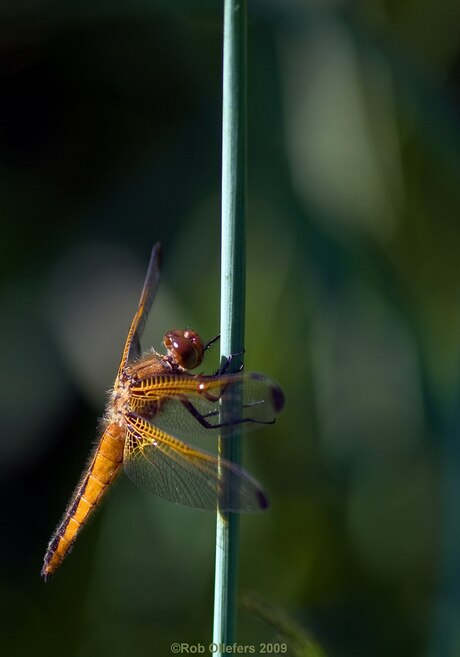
{"x": 118, "y": 402}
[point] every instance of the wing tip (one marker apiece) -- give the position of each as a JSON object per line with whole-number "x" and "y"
{"x": 157, "y": 254}
{"x": 262, "y": 501}
{"x": 277, "y": 395}
{"x": 278, "y": 398}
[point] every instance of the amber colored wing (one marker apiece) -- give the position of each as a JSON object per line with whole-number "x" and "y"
{"x": 189, "y": 406}
{"x": 132, "y": 347}
{"x": 169, "y": 468}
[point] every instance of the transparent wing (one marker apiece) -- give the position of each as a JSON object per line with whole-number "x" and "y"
{"x": 169, "y": 468}
{"x": 188, "y": 406}
{"x": 132, "y": 347}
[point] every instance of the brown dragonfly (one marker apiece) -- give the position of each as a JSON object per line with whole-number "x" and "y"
{"x": 154, "y": 405}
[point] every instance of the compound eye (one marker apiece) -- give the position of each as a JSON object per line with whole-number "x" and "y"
{"x": 185, "y": 348}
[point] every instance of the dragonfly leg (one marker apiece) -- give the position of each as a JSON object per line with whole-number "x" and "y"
{"x": 211, "y": 342}
{"x": 226, "y": 364}
{"x": 203, "y": 418}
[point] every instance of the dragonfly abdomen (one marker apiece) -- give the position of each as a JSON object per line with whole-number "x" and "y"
{"x": 103, "y": 469}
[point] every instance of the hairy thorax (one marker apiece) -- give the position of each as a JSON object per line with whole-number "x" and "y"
{"x": 119, "y": 398}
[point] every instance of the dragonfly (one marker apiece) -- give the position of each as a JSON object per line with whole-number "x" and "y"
{"x": 154, "y": 408}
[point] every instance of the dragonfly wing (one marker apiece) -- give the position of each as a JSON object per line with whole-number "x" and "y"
{"x": 169, "y": 468}
{"x": 189, "y": 406}
{"x": 152, "y": 279}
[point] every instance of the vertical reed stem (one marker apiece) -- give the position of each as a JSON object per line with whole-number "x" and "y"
{"x": 232, "y": 290}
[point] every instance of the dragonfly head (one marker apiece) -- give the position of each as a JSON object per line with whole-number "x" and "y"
{"x": 185, "y": 348}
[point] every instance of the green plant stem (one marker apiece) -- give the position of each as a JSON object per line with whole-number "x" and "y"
{"x": 232, "y": 291}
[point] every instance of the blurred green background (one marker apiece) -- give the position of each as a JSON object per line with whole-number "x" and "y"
{"x": 110, "y": 119}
